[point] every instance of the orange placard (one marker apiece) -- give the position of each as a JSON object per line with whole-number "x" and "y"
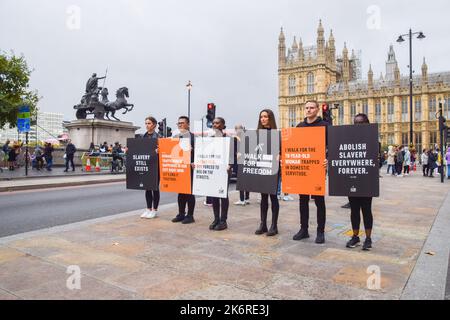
{"x": 303, "y": 154}
{"x": 175, "y": 165}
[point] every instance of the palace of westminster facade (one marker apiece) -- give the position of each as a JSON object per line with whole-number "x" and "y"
{"x": 318, "y": 73}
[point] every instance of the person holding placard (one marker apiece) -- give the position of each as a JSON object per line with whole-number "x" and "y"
{"x": 151, "y": 196}
{"x": 267, "y": 122}
{"x": 220, "y": 205}
{"x": 185, "y": 199}
{"x": 312, "y": 119}
{"x": 361, "y": 204}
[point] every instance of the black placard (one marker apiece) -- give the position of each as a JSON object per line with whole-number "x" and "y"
{"x": 258, "y": 163}
{"x": 353, "y": 161}
{"x": 142, "y": 164}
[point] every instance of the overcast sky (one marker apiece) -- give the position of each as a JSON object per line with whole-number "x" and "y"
{"x": 228, "y": 49}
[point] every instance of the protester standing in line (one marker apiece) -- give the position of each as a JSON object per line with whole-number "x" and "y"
{"x": 151, "y": 196}
{"x": 360, "y": 205}
{"x": 186, "y": 199}
{"x": 312, "y": 119}
{"x": 220, "y": 205}
{"x": 267, "y": 122}
{"x": 244, "y": 196}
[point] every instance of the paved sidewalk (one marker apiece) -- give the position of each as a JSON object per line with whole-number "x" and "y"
{"x": 125, "y": 257}
{"x": 58, "y": 181}
{"x": 19, "y": 173}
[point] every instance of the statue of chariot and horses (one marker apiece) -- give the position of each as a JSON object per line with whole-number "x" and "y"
{"x": 91, "y": 104}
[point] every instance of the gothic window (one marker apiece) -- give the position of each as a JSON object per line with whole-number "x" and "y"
{"x": 310, "y": 82}
{"x": 390, "y": 111}
{"x": 417, "y": 109}
{"x": 365, "y": 108}
{"x": 432, "y": 108}
{"x": 378, "y": 111}
{"x": 404, "y": 109}
{"x": 292, "y": 116}
{"x": 352, "y": 110}
{"x": 292, "y": 85}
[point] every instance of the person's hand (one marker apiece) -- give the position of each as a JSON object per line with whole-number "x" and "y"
{"x": 325, "y": 163}
{"x": 156, "y": 150}
{"x": 193, "y": 165}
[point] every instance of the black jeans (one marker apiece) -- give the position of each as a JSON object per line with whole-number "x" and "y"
{"x": 425, "y": 169}
{"x": 69, "y": 158}
{"x": 304, "y": 212}
{"x": 152, "y": 198}
{"x": 364, "y": 205}
{"x": 184, "y": 199}
{"x": 265, "y": 207}
{"x": 220, "y": 208}
{"x": 406, "y": 169}
{"x": 244, "y": 195}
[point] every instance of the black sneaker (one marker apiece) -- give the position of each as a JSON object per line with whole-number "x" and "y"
{"x": 346, "y": 206}
{"x": 320, "y": 237}
{"x": 188, "y": 219}
{"x": 302, "y": 234}
{"x": 367, "y": 244}
{"x": 179, "y": 217}
{"x": 213, "y": 224}
{"x": 221, "y": 226}
{"x": 353, "y": 242}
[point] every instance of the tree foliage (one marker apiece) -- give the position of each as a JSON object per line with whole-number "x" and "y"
{"x": 14, "y": 88}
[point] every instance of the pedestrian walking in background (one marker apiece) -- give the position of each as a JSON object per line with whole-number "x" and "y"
{"x": 70, "y": 153}
{"x": 406, "y": 161}
{"x": 424, "y": 160}
{"x": 48, "y": 155}
{"x": 391, "y": 160}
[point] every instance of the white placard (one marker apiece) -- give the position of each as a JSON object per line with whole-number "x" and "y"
{"x": 211, "y": 163}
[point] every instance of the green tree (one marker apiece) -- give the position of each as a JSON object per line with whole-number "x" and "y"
{"x": 14, "y": 88}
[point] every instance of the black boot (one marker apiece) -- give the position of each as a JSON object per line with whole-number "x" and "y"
{"x": 215, "y": 222}
{"x": 274, "y": 227}
{"x": 263, "y": 226}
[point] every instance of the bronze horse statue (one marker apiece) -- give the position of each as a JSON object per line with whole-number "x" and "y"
{"x": 120, "y": 103}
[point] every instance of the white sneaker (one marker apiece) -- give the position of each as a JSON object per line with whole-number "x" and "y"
{"x": 247, "y": 201}
{"x": 145, "y": 214}
{"x": 288, "y": 198}
{"x": 400, "y": 176}
{"x": 152, "y": 215}
{"x": 240, "y": 203}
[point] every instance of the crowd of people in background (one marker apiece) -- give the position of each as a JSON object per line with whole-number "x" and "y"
{"x": 401, "y": 161}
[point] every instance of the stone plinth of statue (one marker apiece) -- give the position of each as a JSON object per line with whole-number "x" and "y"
{"x": 84, "y": 131}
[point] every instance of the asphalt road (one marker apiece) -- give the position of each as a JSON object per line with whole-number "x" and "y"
{"x": 24, "y": 211}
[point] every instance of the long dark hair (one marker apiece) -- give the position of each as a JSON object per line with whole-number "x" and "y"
{"x": 363, "y": 117}
{"x": 272, "y": 122}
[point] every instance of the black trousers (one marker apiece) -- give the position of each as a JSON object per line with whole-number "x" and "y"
{"x": 425, "y": 170}
{"x": 265, "y": 207}
{"x": 152, "y": 198}
{"x": 69, "y": 158}
{"x": 406, "y": 169}
{"x": 358, "y": 205}
{"x": 186, "y": 199}
{"x": 220, "y": 208}
{"x": 304, "y": 212}
{"x": 244, "y": 195}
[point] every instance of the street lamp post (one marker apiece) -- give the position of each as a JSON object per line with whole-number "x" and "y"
{"x": 189, "y": 87}
{"x": 400, "y": 40}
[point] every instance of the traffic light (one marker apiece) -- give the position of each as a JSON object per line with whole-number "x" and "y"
{"x": 326, "y": 113}
{"x": 162, "y": 127}
{"x": 169, "y": 132}
{"x": 210, "y": 114}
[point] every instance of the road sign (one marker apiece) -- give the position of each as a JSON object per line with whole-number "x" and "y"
{"x": 23, "y": 119}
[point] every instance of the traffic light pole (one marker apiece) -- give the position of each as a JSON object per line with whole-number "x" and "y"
{"x": 26, "y": 153}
